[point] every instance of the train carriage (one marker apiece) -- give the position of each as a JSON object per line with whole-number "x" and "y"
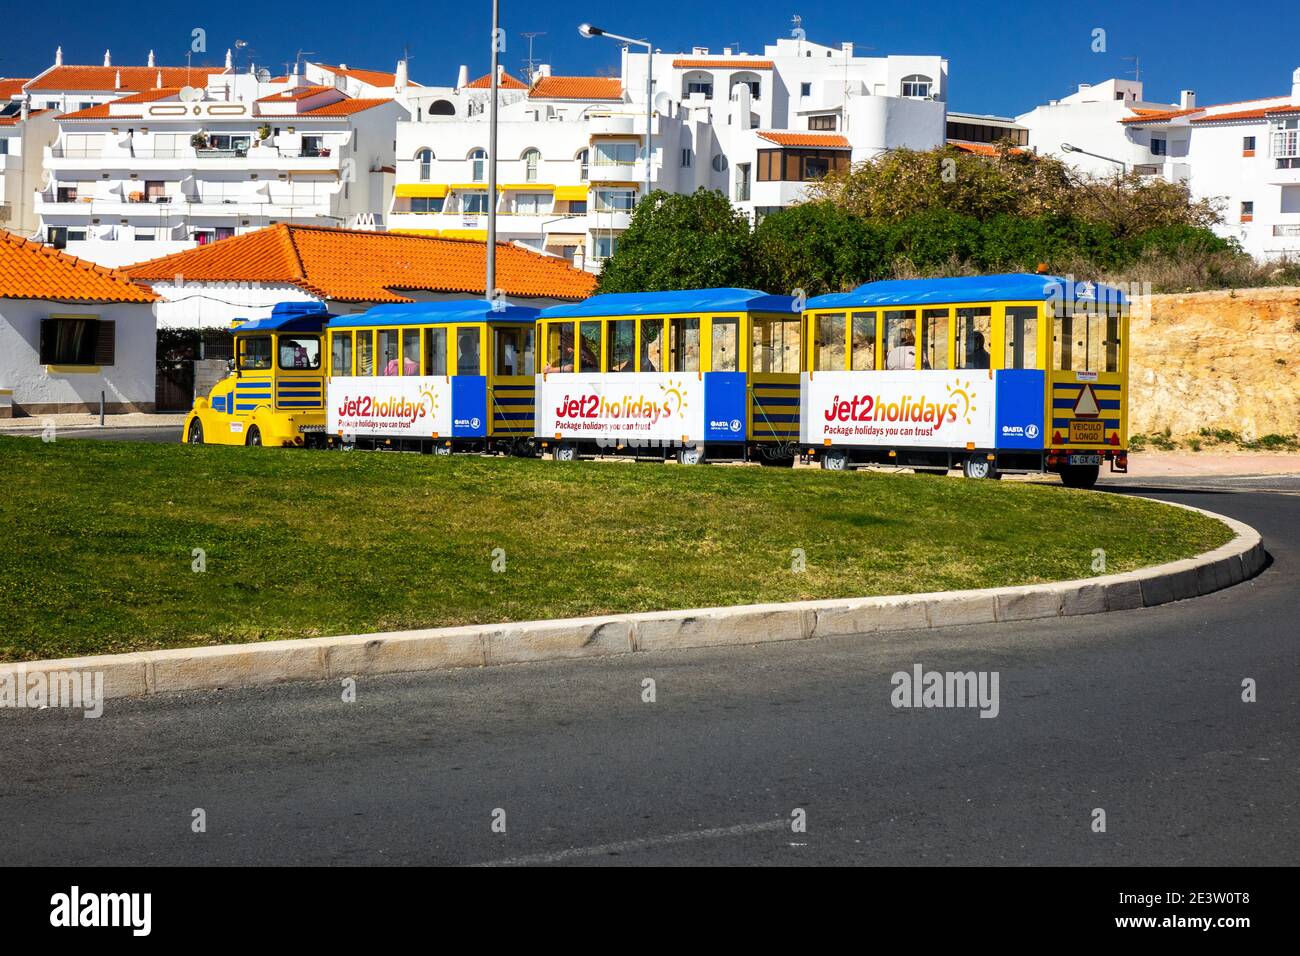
{"x": 432, "y": 376}
{"x": 993, "y": 374}
{"x": 693, "y": 375}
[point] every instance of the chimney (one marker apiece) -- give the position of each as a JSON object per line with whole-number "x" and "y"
{"x": 117, "y": 79}
{"x": 25, "y": 110}
{"x": 108, "y": 58}
{"x": 58, "y": 57}
{"x": 1187, "y": 100}
{"x": 399, "y": 77}
{"x": 544, "y": 69}
{"x": 847, "y": 47}
{"x": 230, "y": 60}
{"x": 343, "y": 66}
{"x": 726, "y": 51}
{"x": 462, "y": 77}
{"x": 158, "y": 82}
{"x": 1295, "y": 87}
{"x": 151, "y": 62}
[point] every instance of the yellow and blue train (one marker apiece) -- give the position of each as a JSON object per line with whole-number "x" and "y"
{"x": 990, "y": 374}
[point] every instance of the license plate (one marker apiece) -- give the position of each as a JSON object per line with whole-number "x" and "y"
{"x": 1085, "y": 459}
{"x": 1088, "y": 433}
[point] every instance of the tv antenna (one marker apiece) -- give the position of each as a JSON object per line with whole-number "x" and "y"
{"x": 530, "y": 64}
{"x": 1137, "y": 67}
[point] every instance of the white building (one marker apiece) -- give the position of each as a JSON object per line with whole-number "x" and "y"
{"x": 24, "y": 135}
{"x": 572, "y": 149}
{"x": 172, "y": 167}
{"x": 1244, "y": 156}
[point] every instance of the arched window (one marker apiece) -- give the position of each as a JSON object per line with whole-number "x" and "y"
{"x": 720, "y": 163}
{"x": 752, "y": 80}
{"x": 583, "y": 158}
{"x": 478, "y": 164}
{"x": 917, "y": 86}
{"x": 697, "y": 81}
{"x": 425, "y": 158}
{"x": 442, "y": 108}
{"x": 532, "y": 158}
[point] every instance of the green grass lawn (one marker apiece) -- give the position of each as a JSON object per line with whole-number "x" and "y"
{"x": 98, "y": 538}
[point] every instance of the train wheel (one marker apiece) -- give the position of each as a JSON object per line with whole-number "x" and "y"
{"x": 254, "y": 439}
{"x": 979, "y": 467}
{"x": 690, "y": 455}
{"x": 835, "y": 461}
{"x": 776, "y": 461}
{"x": 566, "y": 453}
{"x": 1079, "y": 476}
{"x": 195, "y": 436}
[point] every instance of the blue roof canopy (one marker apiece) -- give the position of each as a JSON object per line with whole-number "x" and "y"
{"x": 682, "y": 302}
{"x": 435, "y": 313}
{"x": 1012, "y": 286}
{"x": 289, "y": 317}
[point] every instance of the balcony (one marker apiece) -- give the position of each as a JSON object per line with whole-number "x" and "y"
{"x": 1287, "y": 231}
{"x": 598, "y": 172}
{"x": 620, "y": 124}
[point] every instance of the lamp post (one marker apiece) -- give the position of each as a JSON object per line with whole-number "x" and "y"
{"x": 588, "y": 31}
{"x": 1067, "y": 148}
{"x": 490, "y": 284}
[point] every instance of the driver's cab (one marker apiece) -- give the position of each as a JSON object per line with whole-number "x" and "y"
{"x": 275, "y": 394}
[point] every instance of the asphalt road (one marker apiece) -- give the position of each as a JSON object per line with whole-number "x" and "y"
{"x": 149, "y": 433}
{"x": 1137, "y": 713}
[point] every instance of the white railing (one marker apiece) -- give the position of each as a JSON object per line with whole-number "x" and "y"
{"x": 1291, "y": 231}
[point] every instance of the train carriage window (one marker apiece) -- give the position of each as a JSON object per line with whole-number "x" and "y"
{"x": 299, "y": 352}
{"x": 388, "y": 351}
{"x": 559, "y": 347}
{"x": 652, "y": 345}
{"x": 468, "y": 359}
{"x": 863, "y": 356}
{"x": 684, "y": 345}
{"x": 1085, "y": 340}
{"x": 620, "y": 344}
{"x": 934, "y": 338}
{"x": 365, "y": 353}
{"x": 589, "y": 337}
{"x": 1112, "y": 342}
{"x": 1021, "y": 337}
{"x": 900, "y": 339}
{"x": 341, "y": 353}
{"x": 435, "y": 351}
{"x": 724, "y": 355}
{"x": 775, "y": 345}
{"x": 974, "y": 327}
{"x": 513, "y": 350}
{"x": 255, "y": 352}
{"x": 410, "y": 351}
{"x": 828, "y": 355}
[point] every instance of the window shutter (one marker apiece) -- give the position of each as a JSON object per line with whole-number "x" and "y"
{"x": 104, "y": 343}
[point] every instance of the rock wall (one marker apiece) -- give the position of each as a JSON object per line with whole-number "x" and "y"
{"x": 1224, "y": 359}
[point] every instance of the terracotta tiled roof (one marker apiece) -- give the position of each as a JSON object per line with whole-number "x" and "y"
{"x": 356, "y": 266}
{"x": 373, "y": 77}
{"x": 577, "y": 88}
{"x": 979, "y": 149}
{"x": 104, "y": 78}
{"x": 29, "y": 270}
{"x": 821, "y": 140}
{"x": 689, "y": 64}
{"x": 17, "y": 118}
{"x": 1158, "y": 116}
{"x": 1206, "y": 114}
{"x": 95, "y": 112}
{"x": 10, "y": 88}
{"x": 296, "y": 93}
{"x": 507, "y": 82}
{"x": 1260, "y": 113}
{"x": 344, "y": 107}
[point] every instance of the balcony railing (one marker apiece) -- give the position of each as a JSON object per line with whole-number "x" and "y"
{"x": 1289, "y": 231}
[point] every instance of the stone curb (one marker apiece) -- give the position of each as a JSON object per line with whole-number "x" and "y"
{"x": 324, "y": 658}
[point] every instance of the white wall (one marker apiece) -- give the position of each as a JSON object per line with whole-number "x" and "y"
{"x": 130, "y": 380}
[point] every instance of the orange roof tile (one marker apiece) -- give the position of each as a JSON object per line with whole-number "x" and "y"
{"x": 295, "y": 93}
{"x": 979, "y": 149}
{"x": 577, "y": 88}
{"x": 1260, "y": 113}
{"x": 1159, "y": 116}
{"x": 18, "y": 118}
{"x": 507, "y": 82}
{"x": 822, "y": 140}
{"x": 373, "y": 77}
{"x": 356, "y": 266}
{"x": 11, "y": 87}
{"x": 29, "y": 270}
{"x": 104, "y": 78}
{"x": 684, "y": 63}
{"x": 96, "y": 112}
{"x": 345, "y": 107}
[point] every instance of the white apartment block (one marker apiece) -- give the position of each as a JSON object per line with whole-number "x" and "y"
{"x": 1244, "y": 156}
{"x": 24, "y": 135}
{"x": 171, "y": 167}
{"x": 572, "y": 149}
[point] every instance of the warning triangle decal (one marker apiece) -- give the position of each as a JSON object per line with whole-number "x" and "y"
{"x": 1086, "y": 405}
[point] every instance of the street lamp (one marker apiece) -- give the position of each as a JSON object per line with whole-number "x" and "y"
{"x": 588, "y": 31}
{"x": 490, "y": 283}
{"x": 1067, "y": 148}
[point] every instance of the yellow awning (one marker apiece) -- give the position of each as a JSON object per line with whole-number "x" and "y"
{"x": 479, "y": 234}
{"x": 465, "y": 186}
{"x": 421, "y": 190}
{"x": 571, "y": 192}
{"x": 619, "y": 185}
{"x": 529, "y": 187}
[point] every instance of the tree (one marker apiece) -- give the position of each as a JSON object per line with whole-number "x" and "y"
{"x": 819, "y": 247}
{"x": 682, "y": 242}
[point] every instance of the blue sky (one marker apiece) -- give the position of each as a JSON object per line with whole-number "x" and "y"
{"x": 1005, "y": 56}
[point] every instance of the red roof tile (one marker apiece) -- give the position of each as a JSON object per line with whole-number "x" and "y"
{"x": 356, "y": 266}
{"x": 18, "y": 118}
{"x": 577, "y": 88}
{"x": 507, "y": 82}
{"x": 10, "y": 88}
{"x": 104, "y": 78}
{"x": 29, "y": 270}
{"x": 295, "y": 93}
{"x": 979, "y": 149}
{"x": 345, "y": 107}
{"x": 821, "y": 140}
{"x": 373, "y": 77}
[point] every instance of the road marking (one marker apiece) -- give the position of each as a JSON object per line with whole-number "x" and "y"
{"x": 644, "y": 843}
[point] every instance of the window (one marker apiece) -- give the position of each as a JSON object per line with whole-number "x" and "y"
{"x": 532, "y": 204}
{"x": 365, "y": 353}
{"x": 973, "y": 332}
{"x": 1248, "y": 146}
{"x": 828, "y": 343}
{"x": 1086, "y": 341}
{"x": 435, "y": 351}
{"x": 255, "y": 352}
{"x": 410, "y": 351}
{"x": 559, "y": 347}
{"x": 513, "y": 350}
{"x": 65, "y": 194}
{"x": 1159, "y": 147}
{"x": 719, "y": 163}
{"x": 427, "y": 204}
{"x": 605, "y": 246}
{"x": 388, "y": 364}
{"x": 700, "y": 86}
{"x": 863, "y": 354}
{"x": 474, "y": 204}
{"x": 620, "y": 346}
{"x": 313, "y": 146}
{"x": 799, "y": 165}
{"x": 1247, "y": 211}
{"x": 478, "y": 164}
{"x": 589, "y": 342}
{"x": 688, "y": 157}
{"x": 577, "y": 207}
{"x": 615, "y": 154}
{"x": 652, "y": 345}
{"x": 155, "y": 190}
{"x": 583, "y": 160}
{"x": 532, "y": 158}
{"x": 341, "y": 353}
{"x": 1286, "y": 144}
{"x": 684, "y": 345}
{"x": 805, "y": 89}
{"x": 775, "y": 345}
{"x": 83, "y": 341}
{"x": 232, "y": 143}
{"x": 900, "y": 339}
{"x": 467, "y": 352}
{"x": 916, "y": 86}
{"x": 1021, "y": 337}
{"x": 823, "y": 122}
{"x": 742, "y": 182}
{"x": 725, "y": 354}
{"x": 615, "y": 200}
{"x": 299, "y": 352}
{"x": 425, "y": 158}
{"x": 934, "y": 338}
{"x": 4, "y": 147}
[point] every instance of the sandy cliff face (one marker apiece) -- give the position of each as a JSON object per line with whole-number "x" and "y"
{"x": 1216, "y": 360}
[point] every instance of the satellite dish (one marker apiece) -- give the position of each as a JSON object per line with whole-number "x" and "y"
{"x": 264, "y": 75}
{"x": 663, "y": 102}
{"x": 191, "y": 94}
